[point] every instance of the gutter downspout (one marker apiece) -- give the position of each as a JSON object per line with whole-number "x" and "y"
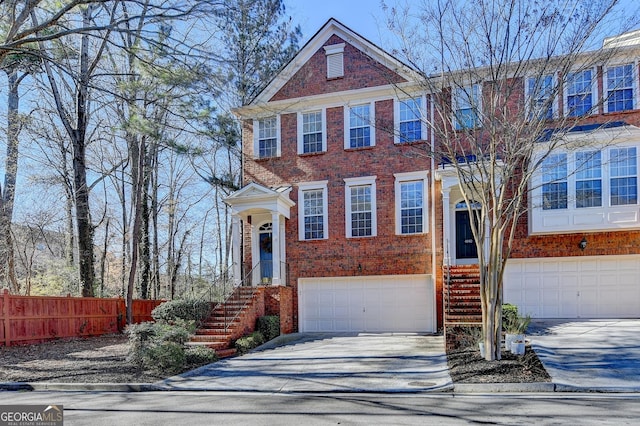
{"x": 434, "y": 257}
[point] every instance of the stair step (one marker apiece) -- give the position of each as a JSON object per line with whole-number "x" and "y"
{"x": 212, "y": 345}
{"x": 210, "y": 338}
{"x": 226, "y": 353}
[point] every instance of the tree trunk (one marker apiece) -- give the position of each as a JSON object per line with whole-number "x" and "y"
{"x": 7, "y": 269}
{"x": 137, "y": 220}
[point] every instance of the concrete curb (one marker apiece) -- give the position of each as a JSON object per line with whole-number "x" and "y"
{"x": 503, "y": 387}
{"x": 80, "y": 387}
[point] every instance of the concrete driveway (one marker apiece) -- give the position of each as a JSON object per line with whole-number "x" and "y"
{"x": 318, "y": 362}
{"x": 589, "y": 355}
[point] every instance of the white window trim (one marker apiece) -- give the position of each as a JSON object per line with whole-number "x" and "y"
{"x": 310, "y": 186}
{"x": 527, "y": 95}
{"x": 256, "y": 134}
{"x": 360, "y": 181}
{"x": 347, "y": 124}
{"x": 396, "y": 118}
{"x": 401, "y": 178}
{"x": 606, "y": 217}
{"x": 634, "y": 86}
{"x": 594, "y": 91}
{"x": 323, "y": 112}
{"x": 454, "y": 105}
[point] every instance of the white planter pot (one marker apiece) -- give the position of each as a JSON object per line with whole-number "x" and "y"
{"x": 510, "y": 338}
{"x": 481, "y": 346}
{"x": 517, "y": 347}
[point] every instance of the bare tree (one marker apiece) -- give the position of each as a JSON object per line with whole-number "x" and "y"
{"x": 489, "y": 133}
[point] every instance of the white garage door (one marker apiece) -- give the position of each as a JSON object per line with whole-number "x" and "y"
{"x": 579, "y": 287}
{"x": 367, "y": 304}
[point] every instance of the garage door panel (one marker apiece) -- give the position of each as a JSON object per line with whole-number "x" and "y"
{"x": 585, "y": 287}
{"x": 374, "y": 304}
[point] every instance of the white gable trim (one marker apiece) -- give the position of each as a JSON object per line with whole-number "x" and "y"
{"x": 333, "y": 27}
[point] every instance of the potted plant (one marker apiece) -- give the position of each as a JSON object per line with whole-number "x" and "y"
{"x": 514, "y": 325}
{"x": 517, "y": 347}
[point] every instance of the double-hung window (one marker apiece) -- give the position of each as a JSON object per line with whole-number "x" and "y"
{"x": 359, "y": 131}
{"x": 312, "y": 132}
{"x": 580, "y": 93}
{"x": 360, "y": 202}
{"x": 410, "y": 120}
{"x": 540, "y": 97}
{"x": 588, "y": 179}
{"x": 619, "y": 86}
{"x": 467, "y": 107}
{"x": 411, "y": 213}
{"x": 554, "y": 182}
{"x": 623, "y": 172}
{"x": 313, "y": 214}
{"x": 266, "y": 137}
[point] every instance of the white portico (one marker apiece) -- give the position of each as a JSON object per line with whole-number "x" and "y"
{"x": 266, "y": 209}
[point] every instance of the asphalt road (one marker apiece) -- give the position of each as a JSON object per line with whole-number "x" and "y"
{"x": 229, "y": 408}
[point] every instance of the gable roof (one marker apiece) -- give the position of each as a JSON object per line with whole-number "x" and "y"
{"x": 330, "y": 28}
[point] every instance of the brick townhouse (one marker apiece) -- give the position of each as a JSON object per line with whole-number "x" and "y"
{"x": 341, "y": 203}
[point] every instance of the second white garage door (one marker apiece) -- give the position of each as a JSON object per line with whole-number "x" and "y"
{"x": 367, "y": 304}
{"x": 575, "y": 287}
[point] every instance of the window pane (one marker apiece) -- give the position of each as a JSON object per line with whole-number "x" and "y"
{"x": 554, "y": 178}
{"x": 267, "y": 137}
{"x": 313, "y": 211}
{"x": 579, "y": 99}
{"x": 541, "y": 98}
{"x": 624, "y": 176}
{"x": 361, "y": 222}
{"x": 359, "y": 125}
{"x": 410, "y": 120}
{"x": 588, "y": 179}
{"x": 467, "y": 103}
{"x": 411, "y": 207}
{"x": 620, "y": 88}
{"x": 312, "y": 132}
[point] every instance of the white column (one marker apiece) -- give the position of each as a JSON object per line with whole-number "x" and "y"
{"x": 235, "y": 245}
{"x": 275, "y": 247}
{"x": 446, "y": 230}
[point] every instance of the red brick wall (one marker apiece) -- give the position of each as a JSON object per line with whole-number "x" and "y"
{"x": 386, "y": 254}
{"x": 360, "y": 71}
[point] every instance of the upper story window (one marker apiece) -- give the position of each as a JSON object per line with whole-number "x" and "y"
{"x": 311, "y": 132}
{"x": 554, "y": 182}
{"x": 313, "y": 215}
{"x": 409, "y": 119}
{"x": 580, "y": 93}
{"x": 588, "y": 179}
{"x": 624, "y": 176}
{"x": 467, "y": 107}
{"x": 360, "y": 207}
{"x": 266, "y": 137}
{"x": 411, "y": 214}
{"x": 540, "y": 105}
{"x": 619, "y": 88}
{"x": 335, "y": 60}
{"x": 359, "y": 131}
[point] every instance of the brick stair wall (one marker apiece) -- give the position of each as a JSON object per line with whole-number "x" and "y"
{"x": 462, "y": 295}
{"x": 230, "y": 321}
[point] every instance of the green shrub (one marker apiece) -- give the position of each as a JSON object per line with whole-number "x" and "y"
{"x": 195, "y": 310}
{"x": 200, "y": 355}
{"x": 158, "y": 346}
{"x": 246, "y": 343}
{"x": 269, "y": 326}
{"x": 512, "y": 322}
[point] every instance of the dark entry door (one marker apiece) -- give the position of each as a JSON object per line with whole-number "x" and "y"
{"x": 266, "y": 256}
{"x": 465, "y": 245}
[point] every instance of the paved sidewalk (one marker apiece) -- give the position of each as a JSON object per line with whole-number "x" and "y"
{"x": 589, "y": 355}
{"x": 320, "y": 362}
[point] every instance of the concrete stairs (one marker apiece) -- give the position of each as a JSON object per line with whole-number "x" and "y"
{"x": 462, "y": 295}
{"x": 223, "y": 325}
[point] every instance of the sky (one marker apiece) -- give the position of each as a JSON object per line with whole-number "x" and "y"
{"x": 365, "y": 17}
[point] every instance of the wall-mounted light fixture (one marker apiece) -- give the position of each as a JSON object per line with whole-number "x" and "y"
{"x": 583, "y": 243}
{"x": 359, "y": 268}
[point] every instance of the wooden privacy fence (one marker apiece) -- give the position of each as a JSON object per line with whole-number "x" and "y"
{"x": 32, "y": 319}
